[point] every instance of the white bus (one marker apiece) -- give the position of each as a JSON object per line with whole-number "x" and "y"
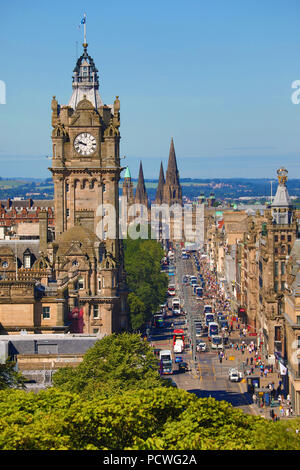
{"x": 213, "y": 329}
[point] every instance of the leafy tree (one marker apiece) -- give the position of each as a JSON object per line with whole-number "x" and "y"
{"x": 9, "y": 377}
{"x": 146, "y": 282}
{"x": 137, "y": 310}
{"x": 153, "y": 419}
{"x": 114, "y": 364}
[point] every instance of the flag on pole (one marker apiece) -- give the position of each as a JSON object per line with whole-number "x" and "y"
{"x": 83, "y": 21}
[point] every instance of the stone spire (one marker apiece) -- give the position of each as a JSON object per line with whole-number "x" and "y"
{"x": 141, "y": 193}
{"x": 160, "y": 187}
{"x": 127, "y": 190}
{"x": 85, "y": 81}
{"x": 172, "y": 187}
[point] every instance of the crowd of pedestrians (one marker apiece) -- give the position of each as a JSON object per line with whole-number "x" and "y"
{"x": 252, "y": 360}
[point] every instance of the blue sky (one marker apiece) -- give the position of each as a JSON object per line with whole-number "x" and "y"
{"x": 214, "y": 75}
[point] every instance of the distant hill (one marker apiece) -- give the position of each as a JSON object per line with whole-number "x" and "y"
{"x": 232, "y": 188}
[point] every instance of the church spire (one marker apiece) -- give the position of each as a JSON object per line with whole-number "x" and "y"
{"x": 172, "y": 187}
{"x": 141, "y": 193}
{"x": 128, "y": 187}
{"x": 160, "y": 187}
{"x": 172, "y": 170}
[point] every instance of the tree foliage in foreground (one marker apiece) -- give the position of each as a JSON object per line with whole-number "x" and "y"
{"x": 157, "y": 419}
{"x": 147, "y": 284}
{"x": 114, "y": 364}
{"x": 9, "y": 377}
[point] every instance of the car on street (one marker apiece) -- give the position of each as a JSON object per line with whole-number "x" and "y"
{"x": 178, "y": 359}
{"x": 171, "y": 290}
{"x": 183, "y": 367}
{"x": 201, "y": 347}
{"x": 234, "y": 375}
{"x": 199, "y": 331}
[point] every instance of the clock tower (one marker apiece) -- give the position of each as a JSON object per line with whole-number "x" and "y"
{"x": 86, "y": 172}
{"x": 86, "y": 161}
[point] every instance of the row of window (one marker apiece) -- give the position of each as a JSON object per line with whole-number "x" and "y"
{"x": 101, "y": 284}
{"x": 91, "y": 187}
{"x": 95, "y": 312}
{"x": 282, "y": 250}
{"x": 282, "y": 268}
{"x": 276, "y": 286}
{"x": 27, "y": 262}
{"x": 282, "y": 238}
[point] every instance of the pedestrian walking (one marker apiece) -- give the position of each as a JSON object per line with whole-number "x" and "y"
{"x": 279, "y": 399}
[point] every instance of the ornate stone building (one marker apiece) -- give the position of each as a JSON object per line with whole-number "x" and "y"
{"x": 81, "y": 272}
{"x": 265, "y": 250}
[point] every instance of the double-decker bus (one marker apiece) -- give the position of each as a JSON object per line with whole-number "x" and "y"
{"x": 158, "y": 321}
{"x": 213, "y": 329}
{"x": 165, "y": 362}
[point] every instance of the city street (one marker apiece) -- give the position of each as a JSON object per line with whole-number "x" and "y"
{"x": 208, "y": 373}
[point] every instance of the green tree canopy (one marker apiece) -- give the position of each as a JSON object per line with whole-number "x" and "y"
{"x": 9, "y": 377}
{"x": 144, "y": 278}
{"x": 153, "y": 419}
{"x": 114, "y": 364}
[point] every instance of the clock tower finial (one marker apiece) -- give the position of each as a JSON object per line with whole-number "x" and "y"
{"x": 85, "y": 78}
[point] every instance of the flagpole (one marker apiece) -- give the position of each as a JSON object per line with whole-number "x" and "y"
{"x": 84, "y": 29}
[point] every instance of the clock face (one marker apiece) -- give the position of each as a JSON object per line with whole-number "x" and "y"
{"x": 85, "y": 144}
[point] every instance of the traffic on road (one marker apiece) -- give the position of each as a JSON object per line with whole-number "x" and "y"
{"x": 200, "y": 342}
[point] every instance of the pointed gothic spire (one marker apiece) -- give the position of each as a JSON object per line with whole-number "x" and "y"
{"x": 141, "y": 193}
{"x": 128, "y": 187}
{"x": 160, "y": 187}
{"x": 172, "y": 187}
{"x": 172, "y": 170}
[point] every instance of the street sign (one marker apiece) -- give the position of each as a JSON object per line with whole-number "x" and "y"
{"x": 231, "y": 358}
